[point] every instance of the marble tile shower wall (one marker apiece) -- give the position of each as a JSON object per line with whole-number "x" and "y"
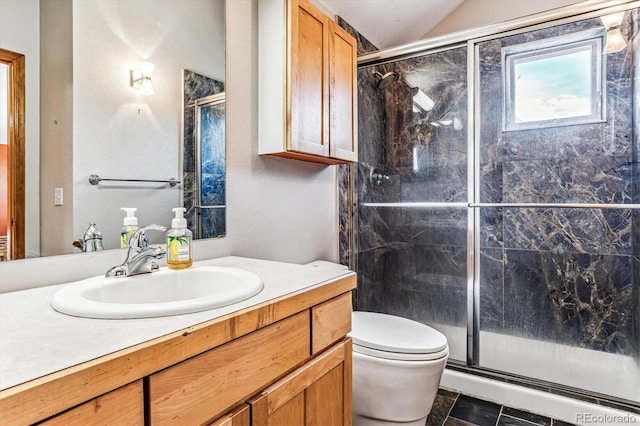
{"x": 569, "y": 276}
{"x": 347, "y": 176}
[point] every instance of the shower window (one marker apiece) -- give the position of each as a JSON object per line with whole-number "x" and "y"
{"x": 554, "y": 82}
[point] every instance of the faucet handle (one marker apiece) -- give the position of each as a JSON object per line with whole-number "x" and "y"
{"x": 139, "y": 238}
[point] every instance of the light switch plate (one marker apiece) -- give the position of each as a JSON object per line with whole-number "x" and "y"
{"x": 58, "y": 197}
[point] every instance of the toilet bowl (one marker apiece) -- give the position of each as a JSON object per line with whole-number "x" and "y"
{"x": 397, "y": 366}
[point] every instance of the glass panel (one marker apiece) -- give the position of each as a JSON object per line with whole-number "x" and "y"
{"x": 412, "y": 258}
{"x": 558, "y": 286}
{"x": 557, "y": 297}
{"x": 212, "y": 155}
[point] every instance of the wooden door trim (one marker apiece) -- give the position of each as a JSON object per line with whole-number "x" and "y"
{"x": 16, "y": 152}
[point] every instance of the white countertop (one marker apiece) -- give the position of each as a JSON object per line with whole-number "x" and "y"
{"x": 36, "y": 340}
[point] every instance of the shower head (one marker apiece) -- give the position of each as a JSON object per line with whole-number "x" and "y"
{"x": 385, "y": 80}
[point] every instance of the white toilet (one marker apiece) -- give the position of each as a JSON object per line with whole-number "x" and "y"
{"x": 397, "y": 366}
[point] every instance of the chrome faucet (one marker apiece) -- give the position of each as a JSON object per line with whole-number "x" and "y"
{"x": 92, "y": 240}
{"x": 140, "y": 256}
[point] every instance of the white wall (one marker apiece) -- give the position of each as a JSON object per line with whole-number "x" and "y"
{"x": 19, "y": 21}
{"x": 476, "y": 13}
{"x": 278, "y": 209}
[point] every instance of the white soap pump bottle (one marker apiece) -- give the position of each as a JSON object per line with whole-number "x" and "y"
{"x": 130, "y": 226}
{"x": 179, "y": 239}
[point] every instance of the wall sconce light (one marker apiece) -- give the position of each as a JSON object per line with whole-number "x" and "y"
{"x": 141, "y": 78}
{"x": 615, "y": 41}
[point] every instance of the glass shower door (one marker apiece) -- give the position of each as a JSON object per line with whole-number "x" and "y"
{"x": 557, "y": 259}
{"x": 412, "y": 186}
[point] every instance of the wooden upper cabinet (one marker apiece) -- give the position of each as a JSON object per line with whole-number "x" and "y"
{"x": 309, "y": 80}
{"x": 308, "y": 84}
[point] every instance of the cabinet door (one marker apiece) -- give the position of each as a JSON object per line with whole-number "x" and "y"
{"x": 343, "y": 89}
{"x": 309, "y": 70}
{"x": 238, "y": 417}
{"x": 318, "y": 393}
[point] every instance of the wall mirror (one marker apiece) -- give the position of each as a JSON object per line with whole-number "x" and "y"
{"x": 84, "y": 116}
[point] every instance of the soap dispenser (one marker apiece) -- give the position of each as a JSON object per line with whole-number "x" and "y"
{"x": 179, "y": 241}
{"x": 130, "y": 226}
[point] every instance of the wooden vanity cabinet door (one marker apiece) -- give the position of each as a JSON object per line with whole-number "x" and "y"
{"x": 316, "y": 394}
{"x": 123, "y": 406}
{"x": 238, "y": 417}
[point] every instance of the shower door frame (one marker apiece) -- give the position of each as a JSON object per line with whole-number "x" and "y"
{"x": 471, "y": 39}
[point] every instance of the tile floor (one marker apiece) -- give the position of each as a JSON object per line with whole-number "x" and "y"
{"x": 453, "y": 409}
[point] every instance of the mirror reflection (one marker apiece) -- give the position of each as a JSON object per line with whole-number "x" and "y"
{"x": 89, "y": 71}
{"x": 204, "y": 155}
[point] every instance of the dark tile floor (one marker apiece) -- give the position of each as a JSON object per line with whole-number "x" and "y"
{"x": 453, "y": 409}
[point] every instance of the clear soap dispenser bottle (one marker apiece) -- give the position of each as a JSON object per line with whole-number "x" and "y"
{"x": 130, "y": 226}
{"x": 179, "y": 242}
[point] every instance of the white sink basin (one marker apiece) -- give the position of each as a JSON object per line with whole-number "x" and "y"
{"x": 162, "y": 293}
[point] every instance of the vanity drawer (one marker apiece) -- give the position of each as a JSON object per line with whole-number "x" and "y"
{"x": 330, "y": 321}
{"x": 203, "y": 387}
{"x": 124, "y": 406}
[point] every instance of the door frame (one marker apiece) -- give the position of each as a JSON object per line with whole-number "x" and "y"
{"x": 16, "y": 153}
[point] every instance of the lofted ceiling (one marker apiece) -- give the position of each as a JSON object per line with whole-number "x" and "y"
{"x": 388, "y": 23}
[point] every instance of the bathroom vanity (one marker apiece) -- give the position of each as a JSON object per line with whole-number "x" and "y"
{"x": 281, "y": 357}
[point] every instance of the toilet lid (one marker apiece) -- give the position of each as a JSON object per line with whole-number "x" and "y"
{"x": 395, "y": 334}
